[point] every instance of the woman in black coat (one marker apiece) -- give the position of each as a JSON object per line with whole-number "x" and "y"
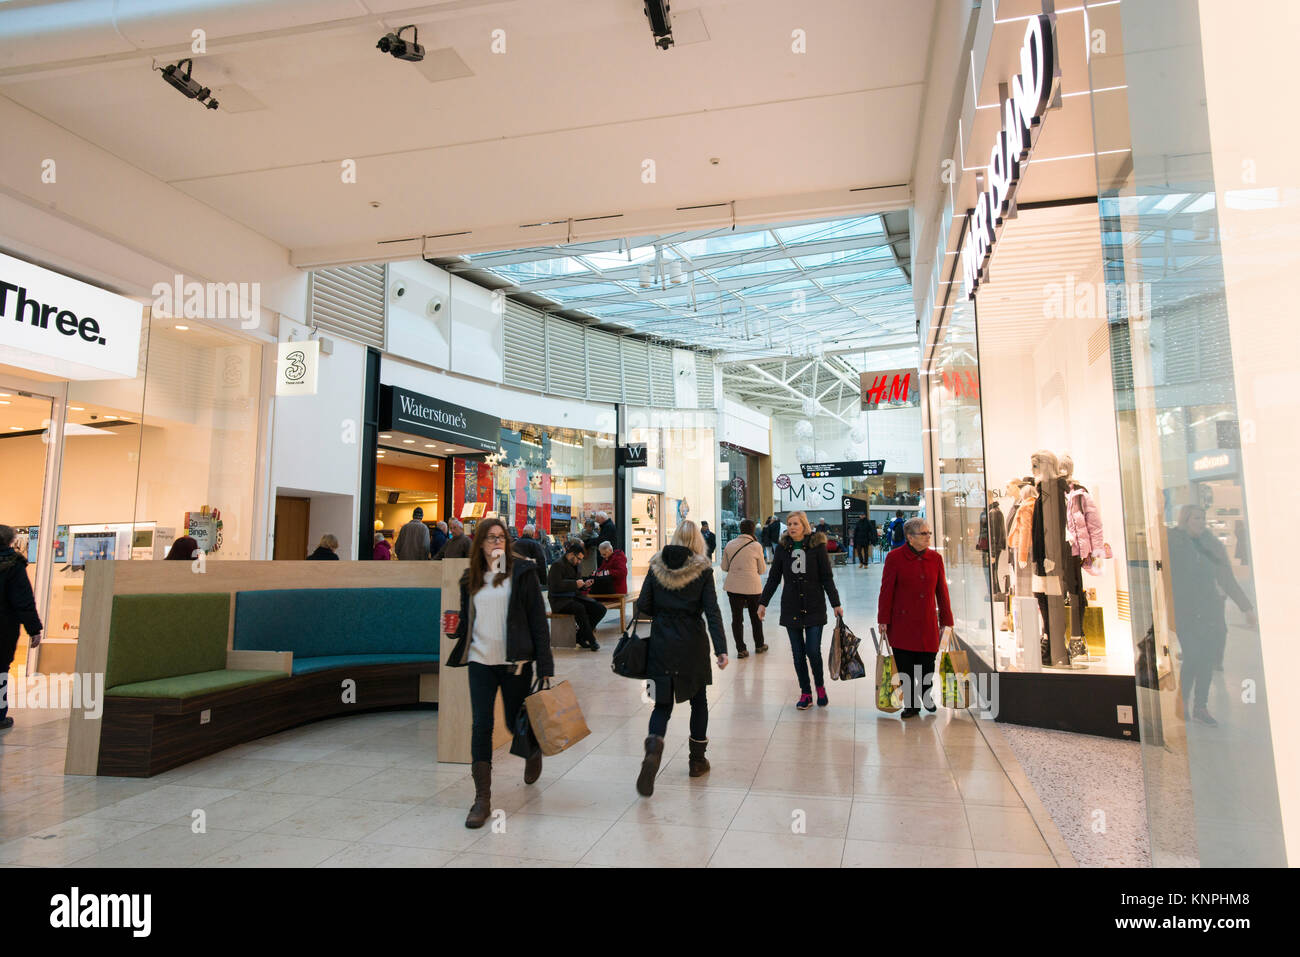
{"x": 500, "y": 634}
{"x": 803, "y": 567}
{"x": 679, "y": 598}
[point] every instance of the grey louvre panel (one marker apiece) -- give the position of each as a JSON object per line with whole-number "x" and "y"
{"x": 663, "y": 388}
{"x": 604, "y": 381}
{"x": 704, "y": 380}
{"x": 636, "y": 372}
{"x": 525, "y": 363}
{"x": 566, "y": 358}
{"x": 349, "y": 302}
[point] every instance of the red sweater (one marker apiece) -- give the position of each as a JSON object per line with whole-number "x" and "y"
{"x": 914, "y": 599}
{"x": 616, "y": 568}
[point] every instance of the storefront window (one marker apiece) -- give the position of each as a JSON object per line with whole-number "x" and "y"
{"x": 739, "y": 491}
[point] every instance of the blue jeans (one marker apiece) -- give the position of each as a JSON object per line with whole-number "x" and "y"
{"x": 806, "y": 644}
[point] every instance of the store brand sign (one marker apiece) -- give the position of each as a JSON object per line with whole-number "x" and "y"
{"x": 806, "y": 495}
{"x": 1214, "y": 463}
{"x": 897, "y": 387}
{"x": 417, "y": 414}
{"x": 63, "y": 327}
{"x": 1031, "y": 92}
{"x": 297, "y": 367}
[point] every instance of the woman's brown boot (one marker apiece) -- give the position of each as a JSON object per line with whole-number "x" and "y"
{"x": 478, "y": 813}
{"x": 654, "y": 751}
{"x": 533, "y": 767}
{"x": 697, "y": 762}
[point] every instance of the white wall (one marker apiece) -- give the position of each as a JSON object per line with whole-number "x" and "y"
{"x": 740, "y": 425}
{"x": 316, "y": 440}
{"x": 412, "y": 332}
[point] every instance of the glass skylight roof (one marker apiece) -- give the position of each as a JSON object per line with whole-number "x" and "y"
{"x": 839, "y": 279}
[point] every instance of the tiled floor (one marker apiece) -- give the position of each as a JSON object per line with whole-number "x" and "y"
{"x": 839, "y": 786}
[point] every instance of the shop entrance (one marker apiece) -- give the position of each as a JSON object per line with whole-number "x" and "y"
{"x": 405, "y": 481}
{"x": 25, "y": 419}
{"x": 644, "y": 513}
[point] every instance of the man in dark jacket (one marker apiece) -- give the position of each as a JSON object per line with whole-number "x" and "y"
{"x": 896, "y": 536}
{"x": 458, "y": 545}
{"x": 607, "y": 532}
{"x": 773, "y": 531}
{"x": 413, "y": 539}
{"x": 17, "y": 607}
{"x": 710, "y": 540}
{"x": 527, "y": 546}
{"x": 437, "y": 538}
{"x": 565, "y": 587}
{"x": 861, "y": 541}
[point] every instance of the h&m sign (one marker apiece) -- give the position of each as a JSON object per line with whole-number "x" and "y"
{"x": 1033, "y": 91}
{"x": 896, "y": 388}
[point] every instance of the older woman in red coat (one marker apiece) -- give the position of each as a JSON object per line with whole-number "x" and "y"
{"x": 913, "y": 605}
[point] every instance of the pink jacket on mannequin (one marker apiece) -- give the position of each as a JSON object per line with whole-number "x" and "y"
{"x": 1083, "y": 524}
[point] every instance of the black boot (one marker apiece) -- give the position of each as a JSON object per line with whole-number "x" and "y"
{"x": 533, "y": 767}
{"x": 482, "y": 807}
{"x": 698, "y": 763}
{"x": 654, "y": 751}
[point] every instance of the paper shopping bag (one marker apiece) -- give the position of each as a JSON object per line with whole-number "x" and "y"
{"x": 954, "y": 672}
{"x": 556, "y": 718}
{"x": 889, "y": 686}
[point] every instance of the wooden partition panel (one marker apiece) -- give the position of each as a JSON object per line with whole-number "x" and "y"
{"x": 105, "y": 579}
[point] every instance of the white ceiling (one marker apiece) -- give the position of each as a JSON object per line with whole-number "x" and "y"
{"x": 558, "y": 126}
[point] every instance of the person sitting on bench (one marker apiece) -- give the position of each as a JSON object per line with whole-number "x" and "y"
{"x": 611, "y": 574}
{"x": 564, "y": 586}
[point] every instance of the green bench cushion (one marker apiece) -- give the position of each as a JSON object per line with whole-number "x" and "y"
{"x": 186, "y": 686}
{"x": 327, "y": 622}
{"x": 162, "y": 636}
{"x": 306, "y": 666}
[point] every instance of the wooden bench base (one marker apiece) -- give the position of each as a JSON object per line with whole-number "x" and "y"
{"x": 141, "y": 737}
{"x": 564, "y": 630}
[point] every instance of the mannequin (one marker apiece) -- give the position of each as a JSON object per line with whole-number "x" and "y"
{"x": 1049, "y": 555}
{"x": 1019, "y": 555}
{"x": 997, "y": 542}
{"x": 1083, "y": 532}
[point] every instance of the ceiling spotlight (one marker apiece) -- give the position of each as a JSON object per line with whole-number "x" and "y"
{"x": 661, "y": 23}
{"x": 399, "y": 49}
{"x": 182, "y": 80}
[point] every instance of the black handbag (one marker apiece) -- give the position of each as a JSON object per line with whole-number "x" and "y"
{"x": 524, "y": 743}
{"x": 631, "y": 655}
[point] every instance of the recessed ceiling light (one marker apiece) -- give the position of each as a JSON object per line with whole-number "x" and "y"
{"x": 181, "y": 328}
{"x": 77, "y": 408}
{"x": 429, "y": 445}
{"x": 433, "y": 466}
{"x": 408, "y": 441}
{"x": 15, "y": 428}
{"x": 5, "y": 402}
{"x": 384, "y": 436}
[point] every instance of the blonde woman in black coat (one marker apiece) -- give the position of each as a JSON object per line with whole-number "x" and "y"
{"x": 679, "y": 597}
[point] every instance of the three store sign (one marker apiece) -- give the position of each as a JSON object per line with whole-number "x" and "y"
{"x": 1032, "y": 90}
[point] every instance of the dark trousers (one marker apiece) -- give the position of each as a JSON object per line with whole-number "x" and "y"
{"x": 919, "y": 668}
{"x": 1200, "y": 655}
{"x": 739, "y": 603}
{"x": 664, "y": 708}
{"x": 484, "y": 680}
{"x": 586, "y": 612}
{"x": 7, "y": 649}
{"x": 806, "y": 645}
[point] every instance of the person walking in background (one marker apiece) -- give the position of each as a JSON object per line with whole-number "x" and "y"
{"x": 327, "y": 550}
{"x": 873, "y": 539}
{"x": 527, "y": 546}
{"x": 1202, "y": 578}
{"x": 803, "y": 570}
{"x": 897, "y": 536}
{"x": 913, "y": 605}
{"x": 563, "y": 586}
{"x": 606, "y": 532}
{"x": 611, "y": 573}
{"x": 413, "y": 539}
{"x": 437, "y": 538}
{"x": 744, "y": 564}
{"x": 383, "y": 552}
{"x": 17, "y": 608}
{"x": 679, "y": 598}
{"x": 773, "y": 536}
{"x": 860, "y": 542}
{"x": 500, "y": 635}
{"x": 183, "y": 549}
{"x": 458, "y": 544}
{"x": 710, "y": 540}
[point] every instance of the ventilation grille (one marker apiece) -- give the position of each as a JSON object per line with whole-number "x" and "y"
{"x": 566, "y": 359}
{"x": 524, "y": 331}
{"x": 1121, "y": 358}
{"x": 349, "y": 302}
{"x": 636, "y": 372}
{"x": 1122, "y": 599}
{"x": 704, "y": 381}
{"x": 604, "y": 383}
{"x": 664, "y": 392}
{"x": 1098, "y": 343}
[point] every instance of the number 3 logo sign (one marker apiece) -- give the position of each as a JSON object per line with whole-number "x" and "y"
{"x": 298, "y": 363}
{"x": 296, "y": 368}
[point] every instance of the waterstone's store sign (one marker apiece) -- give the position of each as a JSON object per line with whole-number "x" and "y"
{"x": 1032, "y": 90}
{"x": 403, "y": 411}
{"x": 64, "y": 327}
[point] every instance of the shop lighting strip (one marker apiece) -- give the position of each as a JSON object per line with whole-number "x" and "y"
{"x": 1090, "y": 6}
{"x": 1064, "y": 96}
{"x": 1051, "y": 159}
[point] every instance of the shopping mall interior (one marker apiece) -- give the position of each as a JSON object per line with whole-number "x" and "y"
{"x": 375, "y": 283}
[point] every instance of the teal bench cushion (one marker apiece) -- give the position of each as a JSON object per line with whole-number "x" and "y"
{"x": 186, "y": 686}
{"x": 332, "y": 622}
{"x": 305, "y": 666}
{"x": 161, "y": 636}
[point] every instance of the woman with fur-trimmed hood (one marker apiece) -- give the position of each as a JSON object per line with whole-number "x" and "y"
{"x": 802, "y": 568}
{"x": 679, "y": 597}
